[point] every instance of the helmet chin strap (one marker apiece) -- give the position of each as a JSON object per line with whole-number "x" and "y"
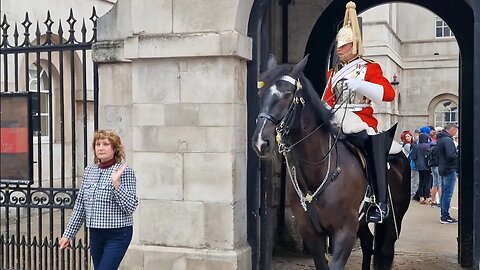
{"x": 349, "y": 52}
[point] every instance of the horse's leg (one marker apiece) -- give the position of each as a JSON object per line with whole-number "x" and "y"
{"x": 343, "y": 244}
{"x": 385, "y": 233}
{"x": 366, "y": 242}
{"x": 385, "y": 237}
{"x": 316, "y": 247}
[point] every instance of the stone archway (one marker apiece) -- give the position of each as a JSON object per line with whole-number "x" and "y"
{"x": 450, "y": 11}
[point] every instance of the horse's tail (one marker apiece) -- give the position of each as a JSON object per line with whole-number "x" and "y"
{"x": 402, "y": 165}
{"x": 400, "y": 185}
{"x": 387, "y": 233}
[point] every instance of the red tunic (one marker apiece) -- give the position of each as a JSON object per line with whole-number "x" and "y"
{"x": 374, "y": 74}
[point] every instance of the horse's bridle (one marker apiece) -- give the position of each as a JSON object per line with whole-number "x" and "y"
{"x": 293, "y": 102}
{"x": 282, "y": 126}
{"x": 268, "y": 117}
{"x": 282, "y": 129}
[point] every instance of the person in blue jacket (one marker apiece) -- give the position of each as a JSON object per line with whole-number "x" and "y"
{"x": 447, "y": 168}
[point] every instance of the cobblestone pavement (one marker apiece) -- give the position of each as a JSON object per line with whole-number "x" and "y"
{"x": 424, "y": 244}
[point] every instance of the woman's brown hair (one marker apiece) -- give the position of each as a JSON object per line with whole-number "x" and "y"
{"x": 117, "y": 146}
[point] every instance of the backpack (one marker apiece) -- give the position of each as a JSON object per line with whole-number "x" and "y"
{"x": 431, "y": 157}
{"x": 412, "y": 156}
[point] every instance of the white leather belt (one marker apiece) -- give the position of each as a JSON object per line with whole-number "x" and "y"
{"x": 353, "y": 107}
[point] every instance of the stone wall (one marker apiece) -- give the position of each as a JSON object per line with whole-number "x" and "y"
{"x": 173, "y": 83}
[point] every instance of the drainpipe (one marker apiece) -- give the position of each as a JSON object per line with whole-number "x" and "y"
{"x": 283, "y": 178}
{"x": 285, "y": 4}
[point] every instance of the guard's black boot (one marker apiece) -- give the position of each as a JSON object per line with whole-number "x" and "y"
{"x": 378, "y": 212}
{"x": 377, "y": 149}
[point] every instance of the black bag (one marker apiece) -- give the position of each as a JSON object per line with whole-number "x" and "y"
{"x": 431, "y": 156}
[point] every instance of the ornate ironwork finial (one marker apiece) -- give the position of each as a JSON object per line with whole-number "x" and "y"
{"x": 94, "y": 19}
{"x": 60, "y": 31}
{"x": 26, "y": 25}
{"x": 15, "y": 35}
{"x": 94, "y": 16}
{"x": 4, "y": 27}
{"x": 84, "y": 31}
{"x": 71, "y": 22}
{"x": 38, "y": 34}
{"x": 49, "y": 22}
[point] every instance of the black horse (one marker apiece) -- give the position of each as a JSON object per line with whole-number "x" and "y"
{"x": 327, "y": 174}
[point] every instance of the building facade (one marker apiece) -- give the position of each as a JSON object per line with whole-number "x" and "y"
{"x": 425, "y": 62}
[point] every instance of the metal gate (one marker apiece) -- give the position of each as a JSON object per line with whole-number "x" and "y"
{"x": 55, "y": 71}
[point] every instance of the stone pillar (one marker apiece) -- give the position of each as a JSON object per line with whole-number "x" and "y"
{"x": 173, "y": 83}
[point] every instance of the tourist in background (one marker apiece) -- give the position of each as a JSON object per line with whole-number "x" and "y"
{"x": 418, "y": 155}
{"x": 447, "y": 168}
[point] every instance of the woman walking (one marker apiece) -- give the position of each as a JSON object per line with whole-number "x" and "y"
{"x": 105, "y": 203}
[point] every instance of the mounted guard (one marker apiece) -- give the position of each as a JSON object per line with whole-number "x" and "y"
{"x": 351, "y": 87}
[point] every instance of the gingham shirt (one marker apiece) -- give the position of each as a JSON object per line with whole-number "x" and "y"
{"x": 99, "y": 205}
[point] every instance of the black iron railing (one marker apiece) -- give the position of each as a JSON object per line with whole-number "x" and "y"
{"x": 54, "y": 67}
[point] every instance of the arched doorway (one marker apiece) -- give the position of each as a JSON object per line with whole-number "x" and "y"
{"x": 460, "y": 16}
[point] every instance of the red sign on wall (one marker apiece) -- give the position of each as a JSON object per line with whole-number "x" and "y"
{"x": 15, "y": 139}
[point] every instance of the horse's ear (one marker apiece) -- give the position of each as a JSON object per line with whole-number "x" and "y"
{"x": 272, "y": 61}
{"x": 298, "y": 68}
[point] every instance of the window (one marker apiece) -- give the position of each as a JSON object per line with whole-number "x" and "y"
{"x": 446, "y": 112}
{"x": 442, "y": 29}
{"x": 40, "y": 105}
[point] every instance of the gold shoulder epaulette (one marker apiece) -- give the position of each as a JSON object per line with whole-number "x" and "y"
{"x": 368, "y": 60}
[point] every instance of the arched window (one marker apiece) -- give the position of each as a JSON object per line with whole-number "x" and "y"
{"x": 40, "y": 100}
{"x": 442, "y": 29}
{"x": 446, "y": 112}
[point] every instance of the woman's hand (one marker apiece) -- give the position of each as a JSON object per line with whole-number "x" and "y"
{"x": 116, "y": 180}
{"x": 64, "y": 243}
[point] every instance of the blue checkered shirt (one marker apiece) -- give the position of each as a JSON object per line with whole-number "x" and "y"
{"x": 99, "y": 205}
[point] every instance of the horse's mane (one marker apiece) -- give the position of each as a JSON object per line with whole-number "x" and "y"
{"x": 275, "y": 73}
{"x": 323, "y": 114}
{"x": 319, "y": 107}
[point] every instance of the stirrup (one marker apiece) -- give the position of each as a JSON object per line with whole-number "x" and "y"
{"x": 377, "y": 211}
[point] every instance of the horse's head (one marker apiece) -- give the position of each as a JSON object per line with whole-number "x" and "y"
{"x": 277, "y": 88}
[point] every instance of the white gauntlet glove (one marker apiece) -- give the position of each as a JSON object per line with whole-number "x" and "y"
{"x": 372, "y": 91}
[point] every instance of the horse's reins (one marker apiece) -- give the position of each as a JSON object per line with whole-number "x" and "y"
{"x": 282, "y": 131}
{"x": 344, "y": 102}
{"x": 282, "y": 126}
{"x": 334, "y": 110}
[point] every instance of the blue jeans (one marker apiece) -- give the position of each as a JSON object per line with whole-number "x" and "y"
{"x": 414, "y": 183}
{"x": 448, "y": 185}
{"x": 436, "y": 181}
{"x": 108, "y": 246}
